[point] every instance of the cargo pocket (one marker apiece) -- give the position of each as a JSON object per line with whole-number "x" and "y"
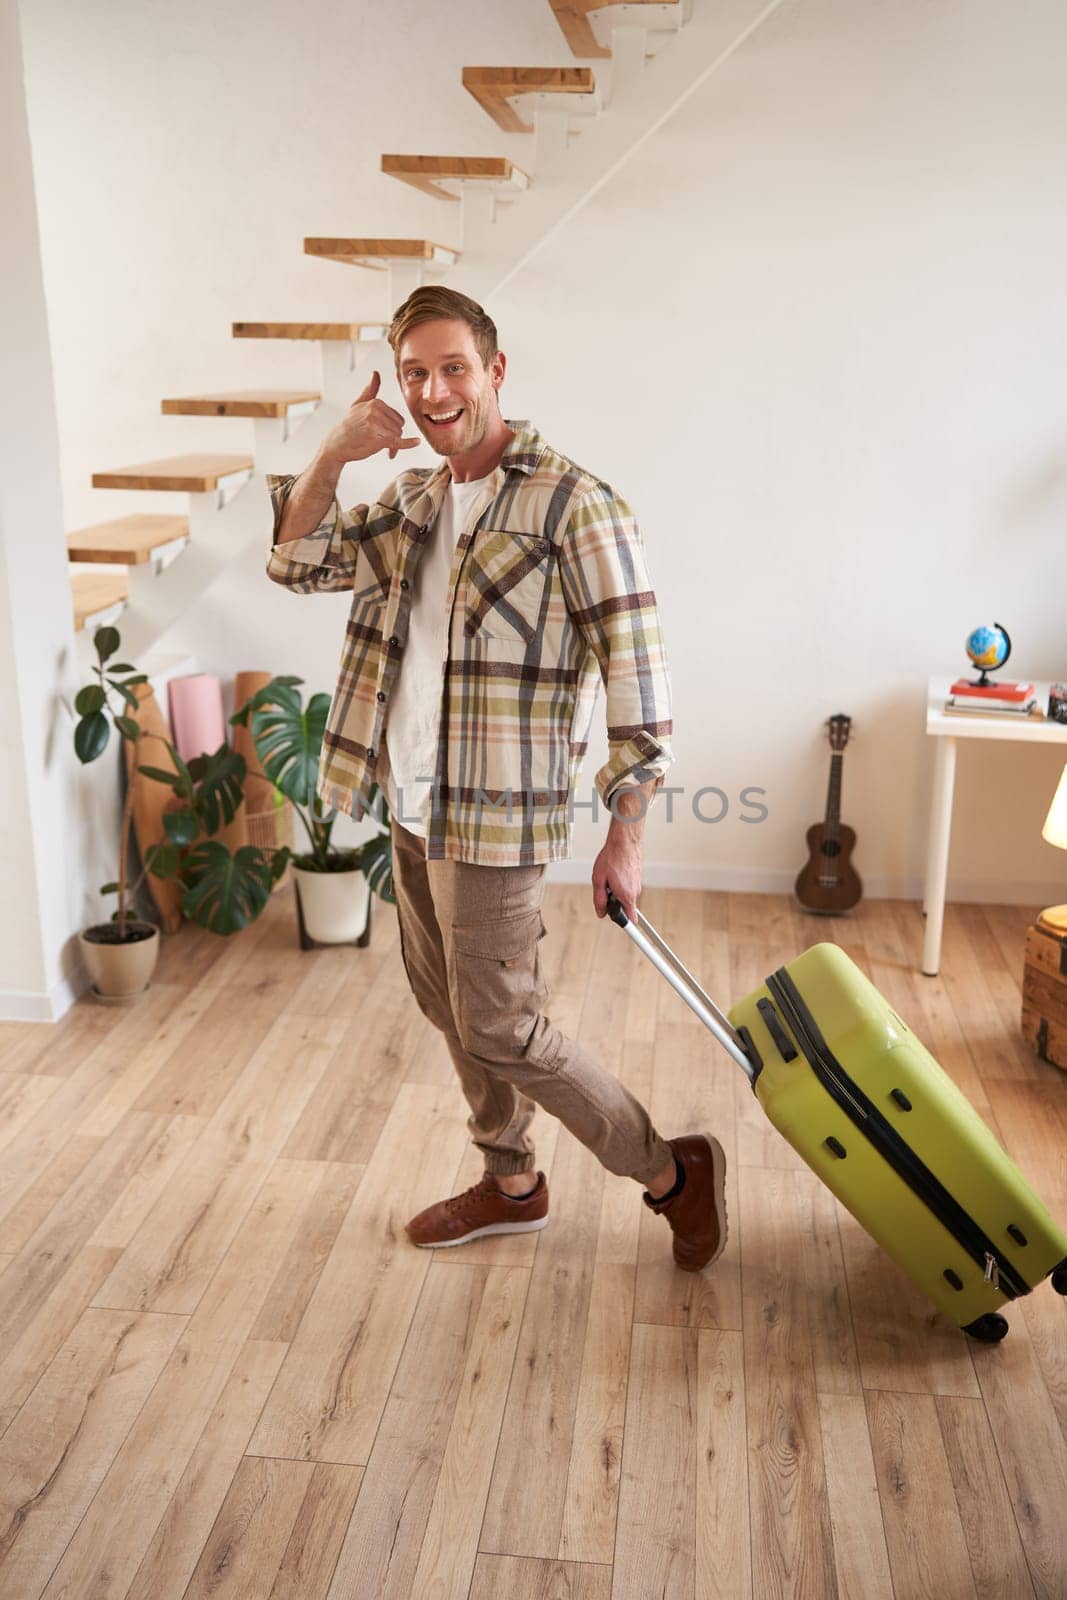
{"x": 499, "y": 987}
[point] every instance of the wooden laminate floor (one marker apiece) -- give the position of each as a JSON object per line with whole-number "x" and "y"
{"x": 224, "y": 1372}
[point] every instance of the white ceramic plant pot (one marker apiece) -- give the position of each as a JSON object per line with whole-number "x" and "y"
{"x": 334, "y": 905}
{"x": 120, "y": 971}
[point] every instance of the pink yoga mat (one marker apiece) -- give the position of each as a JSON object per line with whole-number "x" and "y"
{"x": 197, "y": 723}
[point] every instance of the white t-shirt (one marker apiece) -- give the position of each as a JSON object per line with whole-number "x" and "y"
{"x": 409, "y": 753}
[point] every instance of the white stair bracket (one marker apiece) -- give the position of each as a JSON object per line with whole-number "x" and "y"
{"x": 557, "y": 118}
{"x": 142, "y": 580}
{"x": 609, "y": 23}
{"x": 295, "y": 414}
{"x": 629, "y": 48}
{"x": 341, "y": 363}
{"x": 162, "y": 556}
{"x": 552, "y": 125}
{"x": 229, "y": 484}
{"x": 406, "y": 275}
{"x": 342, "y": 356}
{"x": 269, "y": 432}
{"x": 479, "y": 213}
{"x": 479, "y": 200}
{"x": 104, "y": 618}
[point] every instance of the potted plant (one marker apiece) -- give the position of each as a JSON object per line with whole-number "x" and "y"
{"x": 334, "y": 884}
{"x": 220, "y": 891}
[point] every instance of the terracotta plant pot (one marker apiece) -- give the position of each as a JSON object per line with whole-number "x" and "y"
{"x": 334, "y": 906}
{"x": 120, "y": 971}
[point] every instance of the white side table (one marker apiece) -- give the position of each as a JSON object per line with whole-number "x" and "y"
{"x": 947, "y": 730}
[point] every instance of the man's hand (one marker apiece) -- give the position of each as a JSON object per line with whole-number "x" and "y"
{"x": 368, "y": 426}
{"x": 618, "y": 866}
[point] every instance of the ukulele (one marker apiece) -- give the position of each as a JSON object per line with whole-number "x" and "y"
{"x": 829, "y": 882}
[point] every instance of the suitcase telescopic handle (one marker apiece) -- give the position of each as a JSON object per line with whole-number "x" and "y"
{"x": 682, "y": 981}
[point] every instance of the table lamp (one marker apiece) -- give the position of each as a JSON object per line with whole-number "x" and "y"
{"x": 1055, "y": 831}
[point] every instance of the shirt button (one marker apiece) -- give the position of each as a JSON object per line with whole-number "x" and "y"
{"x": 381, "y": 696}
{"x": 403, "y": 583}
{"x": 370, "y": 755}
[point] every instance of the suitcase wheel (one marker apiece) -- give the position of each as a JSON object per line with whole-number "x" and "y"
{"x": 1059, "y": 1278}
{"x": 989, "y": 1329}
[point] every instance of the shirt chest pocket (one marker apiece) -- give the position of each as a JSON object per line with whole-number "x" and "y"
{"x": 508, "y": 575}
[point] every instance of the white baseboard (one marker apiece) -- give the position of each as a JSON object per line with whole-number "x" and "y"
{"x": 17, "y": 1006}
{"x": 770, "y": 880}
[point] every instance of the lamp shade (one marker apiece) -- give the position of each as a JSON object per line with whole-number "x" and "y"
{"x": 1055, "y": 829}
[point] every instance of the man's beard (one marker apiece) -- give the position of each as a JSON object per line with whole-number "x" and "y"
{"x": 474, "y": 424}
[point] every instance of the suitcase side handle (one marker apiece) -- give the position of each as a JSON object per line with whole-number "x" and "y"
{"x": 663, "y": 958}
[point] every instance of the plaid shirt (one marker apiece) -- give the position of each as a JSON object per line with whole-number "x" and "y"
{"x": 549, "y": 594}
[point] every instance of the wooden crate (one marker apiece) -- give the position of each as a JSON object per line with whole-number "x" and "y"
{"x": 1045, "y": 993}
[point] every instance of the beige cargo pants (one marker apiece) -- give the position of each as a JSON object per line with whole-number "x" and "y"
{"x": 470, "y": 938}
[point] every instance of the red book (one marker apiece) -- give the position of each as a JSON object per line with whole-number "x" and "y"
{"x": 993, "y": 691}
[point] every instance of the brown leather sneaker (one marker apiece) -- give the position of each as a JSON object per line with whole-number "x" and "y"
{"x": 698, "y": 1215}
{"x": 483, "y": 1209}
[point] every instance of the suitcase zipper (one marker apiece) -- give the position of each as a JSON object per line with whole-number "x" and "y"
{"x": 996, "y": 1268}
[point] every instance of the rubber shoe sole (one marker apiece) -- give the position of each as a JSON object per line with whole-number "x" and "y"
{"x": 479, "y": 1233}
{"x": 718, "y": 1165}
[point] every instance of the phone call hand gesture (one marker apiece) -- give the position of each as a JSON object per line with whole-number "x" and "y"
{"x": 369, "y": 426}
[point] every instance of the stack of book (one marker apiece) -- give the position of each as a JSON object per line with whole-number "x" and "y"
{"x": 992, "y": 699}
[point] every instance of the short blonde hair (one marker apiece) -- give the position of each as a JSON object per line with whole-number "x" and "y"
{"x": 433, "y": 303}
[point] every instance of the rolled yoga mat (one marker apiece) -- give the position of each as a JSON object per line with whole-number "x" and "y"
{"x": 151, "y": 798}
{"x": 198, "y": 727}
{"x": 259, "y": 791}
{"x": 269, "y": 814}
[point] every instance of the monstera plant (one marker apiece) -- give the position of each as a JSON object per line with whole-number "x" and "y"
{"x": 333, "y": 883}
{"x": 220, "y": 890}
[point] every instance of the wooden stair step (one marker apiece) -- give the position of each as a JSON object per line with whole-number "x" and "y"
{"x": 95, "y": 591}
{"x": 378, "y": 253}
{"x": 241, "y": 403}
{"x": 343, "y": 332}
{"x": 494, "y": 87}
{"x": 197, "y": 473}
{"x": 127, "y": 541}
{"x": 573, "y": 18}
{"x": 426, "y": 172}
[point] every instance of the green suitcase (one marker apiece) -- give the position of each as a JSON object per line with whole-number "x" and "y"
{"x": 855, "y": 1092}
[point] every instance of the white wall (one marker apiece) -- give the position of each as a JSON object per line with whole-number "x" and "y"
{"x": 812, "y": 330}
{"x": 40, "y": 818}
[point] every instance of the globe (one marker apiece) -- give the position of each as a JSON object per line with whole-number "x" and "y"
{"x": 988, "y": 647}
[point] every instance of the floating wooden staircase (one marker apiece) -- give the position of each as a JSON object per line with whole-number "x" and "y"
{"x": 550, "y": 103}
{"x": 191, "y": 474}
{"x": 327, "y": 332}
{"x": 430, "y": 173}
{"x": 496, "y": 88}
{"x": 573, "y": 18}
{"x": 98, "y": 597}
{"x": 381, "y": 253}
{"x": 245, "y": 403}
{"x": 128, "y": 541}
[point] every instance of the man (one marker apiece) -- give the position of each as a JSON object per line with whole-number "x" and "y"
{"x": 490, "y": 596}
